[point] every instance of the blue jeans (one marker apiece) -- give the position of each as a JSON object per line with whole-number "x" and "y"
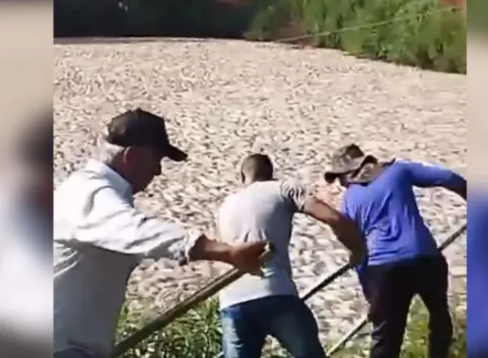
{"x": 286, "y": 318}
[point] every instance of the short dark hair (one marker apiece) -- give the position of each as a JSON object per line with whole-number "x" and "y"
{"x": 259, "y": 166}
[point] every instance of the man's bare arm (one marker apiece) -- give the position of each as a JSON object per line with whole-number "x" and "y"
{"x": 344, "y": 228}
{"x": 248, "y": 257}
{"x": 211, "y": 250}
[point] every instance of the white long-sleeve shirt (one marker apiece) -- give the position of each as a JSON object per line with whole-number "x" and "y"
{"x": 99, "y": 238}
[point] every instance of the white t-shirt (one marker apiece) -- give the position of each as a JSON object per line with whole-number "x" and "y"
{"x": 263, "y": 211}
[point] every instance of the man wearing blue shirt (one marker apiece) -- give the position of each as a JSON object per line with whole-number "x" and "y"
{"x": 403, "y": 259}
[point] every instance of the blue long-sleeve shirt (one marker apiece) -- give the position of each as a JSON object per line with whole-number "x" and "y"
{"x": 387, "y": 214}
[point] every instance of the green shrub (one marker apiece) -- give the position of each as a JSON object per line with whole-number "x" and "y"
{"x": 272, "y": 17}
{"x": 419, "y": 33}
{"x": 198, "y": 335}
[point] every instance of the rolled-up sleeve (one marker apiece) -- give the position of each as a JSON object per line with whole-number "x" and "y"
{"x": 110, "y": 222}
{"x": 294, "y": 193}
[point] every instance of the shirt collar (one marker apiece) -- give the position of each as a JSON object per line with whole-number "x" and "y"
{"x": 119, "y": 183}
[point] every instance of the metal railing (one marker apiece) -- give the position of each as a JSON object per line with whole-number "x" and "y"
{"x": 220, "y": 282}
{"x": 181, "y": 308}
{"x": 363, "y": 321}
{"x": 360, "y": 324}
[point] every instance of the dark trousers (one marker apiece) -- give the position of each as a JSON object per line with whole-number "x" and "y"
{"x": 391, "y": 290}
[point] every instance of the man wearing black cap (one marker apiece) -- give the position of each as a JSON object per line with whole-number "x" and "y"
{"x": 99, "y": 237}
{"x": 403, "y": 259}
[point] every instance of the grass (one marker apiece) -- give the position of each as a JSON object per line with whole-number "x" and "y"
{"x": 197, "y": 335}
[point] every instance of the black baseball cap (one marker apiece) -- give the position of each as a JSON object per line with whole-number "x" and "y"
{"x": 139, "y": 128}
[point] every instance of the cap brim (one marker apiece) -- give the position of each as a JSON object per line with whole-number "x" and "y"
{"x": 175, "y": 154}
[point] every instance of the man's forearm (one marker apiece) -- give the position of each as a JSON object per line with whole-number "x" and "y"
{"x": 210, "y": 250}
{"x": 349, "y": 236}
{"x": 345, "y": 229}
{"x": 352, "y": 244}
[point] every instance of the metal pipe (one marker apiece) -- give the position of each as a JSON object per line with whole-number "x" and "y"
{"x": 361, "y": 323}
{"x": 229, "y": 277}
{"x": 325, "y": 281}
{"x": 347, "y": 337}
{"x": 453, "y": 237}
{"x": 181, "y": 308}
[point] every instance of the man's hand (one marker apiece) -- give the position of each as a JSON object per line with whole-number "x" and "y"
{"x": 248, "y": 257}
